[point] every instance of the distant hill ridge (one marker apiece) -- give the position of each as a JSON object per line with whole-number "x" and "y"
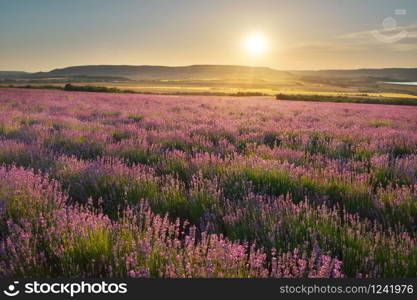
{"x": 200, "y": 72}
{"x": 165, "y": 72}
{"x": 406, "y": 74}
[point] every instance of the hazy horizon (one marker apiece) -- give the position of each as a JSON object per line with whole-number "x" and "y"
{"x": 173, "y": 66}
{"x": 301, "y": 35}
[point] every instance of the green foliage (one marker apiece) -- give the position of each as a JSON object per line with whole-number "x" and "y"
{"x": 90, "y": 88}
{"x": 119, "y": 135}
{"x": 82, "y": 147}
{"x": 136, "y": 118}
{"x": 272, "y": 139}
{"x": 347, "y": 99}
{"x": 377, "y": 124}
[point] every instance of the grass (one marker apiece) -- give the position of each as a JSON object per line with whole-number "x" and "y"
{"x": 347, "y": 99}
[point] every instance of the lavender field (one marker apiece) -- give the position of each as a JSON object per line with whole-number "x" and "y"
{"x": 118, "y": 185}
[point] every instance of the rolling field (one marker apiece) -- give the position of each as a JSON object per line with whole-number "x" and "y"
{"x": 119, "y": 185}
{"x": 224, "y": 87}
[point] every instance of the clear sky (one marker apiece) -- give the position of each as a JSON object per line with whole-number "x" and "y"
{"x": 40, "y": 35}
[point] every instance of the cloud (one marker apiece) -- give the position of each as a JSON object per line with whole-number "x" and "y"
{"x": 399, "y": 38}
{"x": 410, "y": 29}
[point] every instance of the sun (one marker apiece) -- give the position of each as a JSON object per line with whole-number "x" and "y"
{"x": 255, "y": 44}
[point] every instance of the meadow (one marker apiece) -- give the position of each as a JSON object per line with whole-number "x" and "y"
{"x": 128, "y": 185}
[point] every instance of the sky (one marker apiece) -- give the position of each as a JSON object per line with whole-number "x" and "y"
{"x": 300, "y": 34}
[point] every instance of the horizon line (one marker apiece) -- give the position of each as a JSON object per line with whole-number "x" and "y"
{"x": 225, "y": 65}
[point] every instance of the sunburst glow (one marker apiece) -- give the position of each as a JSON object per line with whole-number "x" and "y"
{"x": 255, "y": 44}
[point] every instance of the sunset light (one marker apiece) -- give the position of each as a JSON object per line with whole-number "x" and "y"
{"x": 256, "y": 44}
{"x": 203, "y": 139}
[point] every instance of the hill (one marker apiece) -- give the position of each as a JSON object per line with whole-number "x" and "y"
{"x": 194, "y": 72}
{"x": 396, "y": 74}
{"x": 210, "y": 72}
{"x": 10, "y": 74}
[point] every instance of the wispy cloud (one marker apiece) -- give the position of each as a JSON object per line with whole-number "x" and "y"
{"x": 400, "y": 38}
